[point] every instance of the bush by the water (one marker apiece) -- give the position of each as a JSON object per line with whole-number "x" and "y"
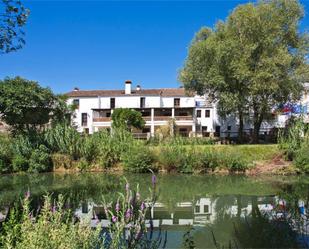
{"x": 62, "y": 147}
{"x": 294, "y": 141}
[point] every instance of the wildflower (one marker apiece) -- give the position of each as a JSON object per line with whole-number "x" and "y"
{"x": 128, "y": 213}
{"x": 154, "y": 180}
{"x": 114, "y": 219}
{"x": 54, "y": 208}
{"x": 143, "y": 206}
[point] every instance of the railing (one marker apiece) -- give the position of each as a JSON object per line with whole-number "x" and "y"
{"x": 183, "y": 117}
{"x": 161, "y": 118}
{"x": 102, "y": 119}
{"x": 147, "y": 118}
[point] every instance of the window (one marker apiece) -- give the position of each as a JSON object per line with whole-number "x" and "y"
{"x": 198, "y": 113}
{"x": 197, "y": 209}
{"x": 229, "y": 128}
{"x": 176, "y": 102}
{"x": 112, "y": 104}
{"x": 84, "y": 119}
{"x": 142, "y": 102}
{"x": 76, "y": 103}
{"x": 207, "y": 113}
{"x": 206, "y": 209}
{"x": 145, "y": 130}
{"x": 218, "y": 131}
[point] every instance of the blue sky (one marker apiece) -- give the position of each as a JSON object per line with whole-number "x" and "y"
{"x": 100, "y": 44}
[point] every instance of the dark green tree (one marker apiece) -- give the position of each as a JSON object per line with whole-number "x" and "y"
{"x": 13, "y": 16}
{"x": 252, "y": 62}
{"x": 124, "y": 118}
{"x": 26, "y": 106}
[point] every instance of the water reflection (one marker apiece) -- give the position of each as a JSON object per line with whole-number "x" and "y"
{"x": 237, "y": 210}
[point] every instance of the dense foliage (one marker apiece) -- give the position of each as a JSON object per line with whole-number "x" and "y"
{"x": 26, "y": 106}
{"x": 294, "y": 141}
{"x": 62, "y": 148}
{"x": 124, "y": 118}
{"x": 251, "y": 62}
{"x": 13, "y": 16}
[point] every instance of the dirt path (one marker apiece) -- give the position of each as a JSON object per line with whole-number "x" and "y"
{"x": 275, "y": 166}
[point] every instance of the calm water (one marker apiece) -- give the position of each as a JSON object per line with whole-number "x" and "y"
{"x": 246, "y": 211}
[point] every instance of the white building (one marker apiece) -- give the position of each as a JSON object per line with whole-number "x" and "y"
{"x": 194, "y": 115}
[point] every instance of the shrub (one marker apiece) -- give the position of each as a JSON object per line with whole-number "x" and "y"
{"x": 210, "y": 160}
{"x": 64, "y": 139}
{"x": 302, "y": 159}
{"x": 4, "y": 166}
{"x": 138, "y": 159}
{"x": 61, "y": 161}
{"x": 83, "y": 165}
{"x": 20, "y": 163}
{"x": 40, "y": 160}
{"x": 171, "y": 157}
{"x": 235, "y": 162}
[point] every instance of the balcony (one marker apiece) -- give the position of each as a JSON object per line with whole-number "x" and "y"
{"x": 147, "y": 118}
{"x": 184, "y": 118}
{"x": 162, "y": 118}
{"x": 102, "y": 119}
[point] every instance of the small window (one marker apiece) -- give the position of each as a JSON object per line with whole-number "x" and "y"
{"x": 176, "y": 102}
{"x": 142, "y": 102}
{"x": 207, "y": 113}
{"x": 206, "y": 209}
{"x": 76, "y": 103}
{"x": 84, "y": 119}
{"x": 198, "y": 113}
{"x": 197, "y": 209}
{"x": 112, "y": 104}
{"x": 145, "y": 130}
{"x": 229, "y": 128}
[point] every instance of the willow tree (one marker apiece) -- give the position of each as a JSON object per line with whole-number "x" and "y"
{"x": 252, "y": 62}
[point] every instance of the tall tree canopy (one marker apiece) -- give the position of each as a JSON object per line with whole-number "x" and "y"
{"x": 125, "y": 118}
{"x": 252, "y": 62}
{"x": 25, "y": 106}
{"x": 13, "y": 16}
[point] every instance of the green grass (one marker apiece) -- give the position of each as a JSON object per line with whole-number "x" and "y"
{"x": 250, "y": 153}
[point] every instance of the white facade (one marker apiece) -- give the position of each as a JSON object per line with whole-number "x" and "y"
{"x": 194, "y": 115}
{"x": 94, "y": 108}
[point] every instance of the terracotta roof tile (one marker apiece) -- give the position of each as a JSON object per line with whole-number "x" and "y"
{"x": 165, "y": 92}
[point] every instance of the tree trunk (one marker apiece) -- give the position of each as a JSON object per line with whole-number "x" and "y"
{"x": 258, "y": 119}
{"x": 241, "y": 128}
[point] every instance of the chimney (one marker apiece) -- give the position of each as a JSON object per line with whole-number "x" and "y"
{"x": 138, "y": 88}
{"x": 128, "y": 84}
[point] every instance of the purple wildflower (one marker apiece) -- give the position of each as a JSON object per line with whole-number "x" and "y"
{"x": 154, "y": 180}
{"x": 128, "y": 213}
{"x": 54, "y": 208}
{"x": 143, "y": 206}
{"x": 114, "y": 219}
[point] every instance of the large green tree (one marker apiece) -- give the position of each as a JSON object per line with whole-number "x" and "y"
{"x": 252, "y": 62}
{"x": 125, "y": 118}
{"x": 25, "y": 105}
{"x": 13, "y": 16}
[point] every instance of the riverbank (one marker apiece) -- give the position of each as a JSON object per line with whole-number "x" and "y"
{"x": 198, "y": 159}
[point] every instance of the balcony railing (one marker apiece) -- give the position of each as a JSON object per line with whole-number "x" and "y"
{"x": 161, "y": 118}
{"x": 102, "y": 119}
{"x": 147, "y": 118}
{"x": 183, "y": 117}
